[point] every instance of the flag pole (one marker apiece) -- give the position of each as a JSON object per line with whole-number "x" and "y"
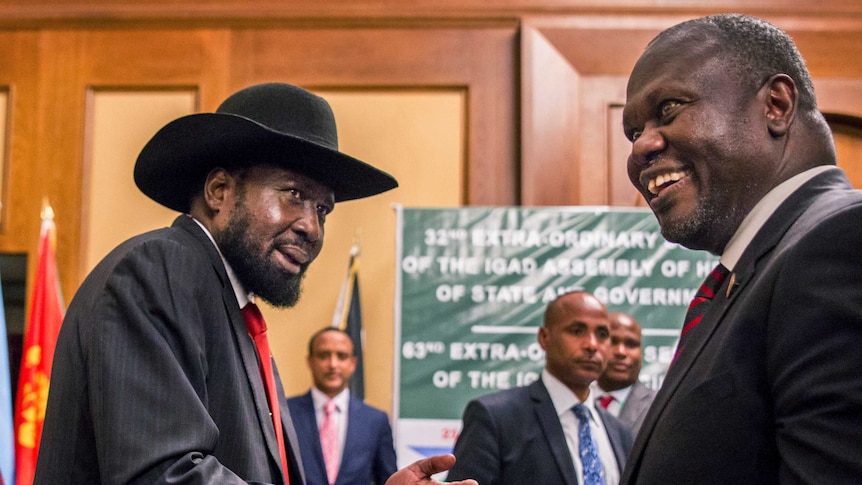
{"x": 40, "y": 339}
{"x": 348, "y": 316}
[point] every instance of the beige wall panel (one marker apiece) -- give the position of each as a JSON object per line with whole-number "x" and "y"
{"x": 122, "y": 122}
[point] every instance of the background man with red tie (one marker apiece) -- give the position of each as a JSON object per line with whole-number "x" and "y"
{"x": 733, "y": 156}
{"x": 618, "y": 388}
{"x": 343, "y": 441}
{"x": 162, "y": 372}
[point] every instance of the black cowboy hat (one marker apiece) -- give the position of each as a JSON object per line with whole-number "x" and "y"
{"x": 273, "y": 123}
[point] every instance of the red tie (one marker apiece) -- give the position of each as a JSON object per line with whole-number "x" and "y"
{"x": 697, "y": 307}
{"x": 257, "y": 330}
{"x": 606, "y": 400}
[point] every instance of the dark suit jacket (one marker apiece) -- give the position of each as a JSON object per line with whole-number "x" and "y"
{"x": 514, "y": 437}
{"x": 769, "y": 386}
{"x": 155, "y": 378}
{"x": 369, "y": 455}
{"x": 634, "y": 410}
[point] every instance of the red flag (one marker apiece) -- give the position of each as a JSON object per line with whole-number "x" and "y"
{"x": 40, "y": 339}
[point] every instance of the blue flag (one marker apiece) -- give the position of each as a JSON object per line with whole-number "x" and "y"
{"x": 7, "y": 445}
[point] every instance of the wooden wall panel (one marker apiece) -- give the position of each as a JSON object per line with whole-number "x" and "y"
{"x": 848, "y": 144}
{"x": 19, "y": 77}
{"x": 574, "y": 72}
{"x": 549, "y": 125}
{"x": 18, "y": 13}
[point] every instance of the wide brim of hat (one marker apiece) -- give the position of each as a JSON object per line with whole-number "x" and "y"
{"x": 174, "y": 163}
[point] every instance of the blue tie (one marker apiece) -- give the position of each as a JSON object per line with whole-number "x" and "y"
{"x": 593, "y": 474}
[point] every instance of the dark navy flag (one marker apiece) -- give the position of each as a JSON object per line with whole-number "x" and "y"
{"x": 348, "y": 317}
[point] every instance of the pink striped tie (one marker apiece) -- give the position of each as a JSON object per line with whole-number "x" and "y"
{"x": 329, "y": 441}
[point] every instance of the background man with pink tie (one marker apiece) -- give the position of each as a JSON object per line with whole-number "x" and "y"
{"x": 355, "y": 440}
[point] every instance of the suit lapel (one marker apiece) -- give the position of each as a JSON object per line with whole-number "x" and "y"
{"x": 553, "y": 431}
{"x": 763, "y": 243}
{"x": 244, "y": 342}
{"x": 304, "y": 420}
{"x": 615, "y": 436}
{"x": 634, "y": 403}
{"x": 289, "y": 429}
{"x": 354, "y": 430}
{"x": 252, "y": 374}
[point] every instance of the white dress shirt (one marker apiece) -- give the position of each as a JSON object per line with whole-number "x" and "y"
{"x": 564, "y": 400}
{"x": 620, "y": 396}
{"x": 242, "y": 297}
{"x": 762, "y": 211}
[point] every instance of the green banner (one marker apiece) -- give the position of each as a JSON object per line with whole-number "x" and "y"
{"x": 474, "y": 283}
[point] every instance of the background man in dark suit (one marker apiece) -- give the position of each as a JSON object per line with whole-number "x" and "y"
{"x": 618, "y": 388}
{"x": 733, "y": 156}
{"x": 156, "y": 378}
{"x": 364, "y": 453}
{"x": 530, "y": 435}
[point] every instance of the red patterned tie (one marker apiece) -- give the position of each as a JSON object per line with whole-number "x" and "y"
{"x": 697, "y": 307}
{"x": 257, "y": 329}
{"x": 329, "y": 441}
{"x": 606, "y": 401}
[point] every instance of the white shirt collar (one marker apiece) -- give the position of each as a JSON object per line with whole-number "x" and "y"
{"x": 620, "y": 394}
{"x": 341, "y": 399}
{"x": 563, "y": 398}
{"x": 761, "y": 212}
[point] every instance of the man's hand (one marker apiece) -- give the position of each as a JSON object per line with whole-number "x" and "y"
{"x": 419, "y": 472}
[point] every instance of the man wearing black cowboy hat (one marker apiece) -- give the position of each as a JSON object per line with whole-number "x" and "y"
{"x": 157, "y": 376}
